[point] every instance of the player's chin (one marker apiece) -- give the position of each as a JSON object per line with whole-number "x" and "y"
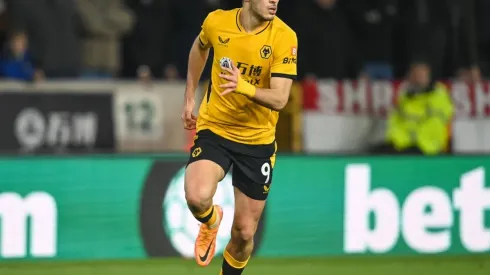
{"x": 269, "y": 16}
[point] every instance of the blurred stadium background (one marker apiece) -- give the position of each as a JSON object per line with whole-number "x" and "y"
{"x": 383, "y": 146}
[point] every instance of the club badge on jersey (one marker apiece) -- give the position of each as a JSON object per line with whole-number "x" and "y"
{"x": 225, "y": 62}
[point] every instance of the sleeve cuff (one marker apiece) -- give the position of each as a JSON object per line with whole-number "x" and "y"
{"x": 203, "y": 45}
{"x": 289, "y": 76}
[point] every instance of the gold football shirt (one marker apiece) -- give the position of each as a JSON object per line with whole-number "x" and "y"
{"x": 270, "y": 51}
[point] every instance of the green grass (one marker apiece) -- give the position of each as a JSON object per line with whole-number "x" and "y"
{"x": 471, "y": 265}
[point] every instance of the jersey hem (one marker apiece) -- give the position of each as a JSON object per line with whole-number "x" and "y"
{"x": 225, "y": 135}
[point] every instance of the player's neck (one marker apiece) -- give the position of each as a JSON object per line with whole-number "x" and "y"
{"x": 249, "y": 22}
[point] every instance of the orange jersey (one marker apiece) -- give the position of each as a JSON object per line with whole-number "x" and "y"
{"x": 270, "y": 51}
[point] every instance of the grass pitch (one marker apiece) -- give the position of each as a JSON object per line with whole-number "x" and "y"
{"x": 423, "y": 265}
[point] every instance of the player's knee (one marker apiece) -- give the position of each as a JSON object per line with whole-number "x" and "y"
{"x": 242, "y": 232}
{"x": 197, "y": 200}
{"x": 197, "y": 203}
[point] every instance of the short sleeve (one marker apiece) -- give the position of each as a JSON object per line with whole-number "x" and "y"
{"x": 285, "y": 54}
{"x": 204, "y": 35}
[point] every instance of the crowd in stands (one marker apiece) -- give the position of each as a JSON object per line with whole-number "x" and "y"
{"x": 378, "y": 39}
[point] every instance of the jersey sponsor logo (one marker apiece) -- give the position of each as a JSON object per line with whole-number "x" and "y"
{"x": 266, "y": 52}
{"x": 223, "y": 41}
{"x": 289, "y": 60}
{"x": 251, "y": 70}
{"x": 294, "y": 51}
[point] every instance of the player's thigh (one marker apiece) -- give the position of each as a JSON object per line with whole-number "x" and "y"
{"x": 252, "y": 178}
{"x": 207, "y": 166}
{"x": 247, "y": 215}
{"x": 201, "y": 179}
{"x": 253, "y": 175}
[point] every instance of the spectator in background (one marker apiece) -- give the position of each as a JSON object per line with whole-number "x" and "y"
{"x": 52, "y": 27}
{"x": 104, "y": 24}
{"x": 443, "y": 32}
{"x": 466, "y": 40}
{"x": 325, "y": 42}
{"x": 15, "y": 62}
{"x": 419, "y": 123}
{"x": 482, "y": 7}
{"x": 147, "y": 47}
{"x": 187, "y": 18}
{"x": 372, "y": 22}
{"x": 3, "y": 22}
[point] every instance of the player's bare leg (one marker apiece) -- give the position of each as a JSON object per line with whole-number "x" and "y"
{"x": 201, "y": 181}
{"x": 247, "y": 214}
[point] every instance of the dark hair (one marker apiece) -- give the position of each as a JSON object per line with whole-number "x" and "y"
{"x": 417, "y": 63}
{"x": 16, "y": 32}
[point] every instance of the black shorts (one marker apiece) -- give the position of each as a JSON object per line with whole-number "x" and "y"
{"x": 252, "y": 164}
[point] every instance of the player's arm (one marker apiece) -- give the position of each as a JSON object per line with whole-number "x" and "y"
{"x": 198, "y": 57}
{"x": 197, "y": 60}
{"x": 275, "y": 98}
{"x": 283, "y": 72}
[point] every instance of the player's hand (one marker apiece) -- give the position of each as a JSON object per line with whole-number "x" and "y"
{"x": 188, "y": 117}
{"x": 236, "y": 83}
{"x": 232, "y": 77}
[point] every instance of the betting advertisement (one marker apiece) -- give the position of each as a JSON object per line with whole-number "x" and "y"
{"x": 68, "y": 208}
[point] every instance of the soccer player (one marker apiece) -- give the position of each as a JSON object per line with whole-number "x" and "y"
{"x": 254, "y": 65}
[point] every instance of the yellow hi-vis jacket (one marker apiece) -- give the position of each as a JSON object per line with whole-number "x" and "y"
{"x": 421, "y": 121}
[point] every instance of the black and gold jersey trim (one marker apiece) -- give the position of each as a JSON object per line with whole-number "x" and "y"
{"x": 290, "y": 76}
{"x": 240, "y": 29}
